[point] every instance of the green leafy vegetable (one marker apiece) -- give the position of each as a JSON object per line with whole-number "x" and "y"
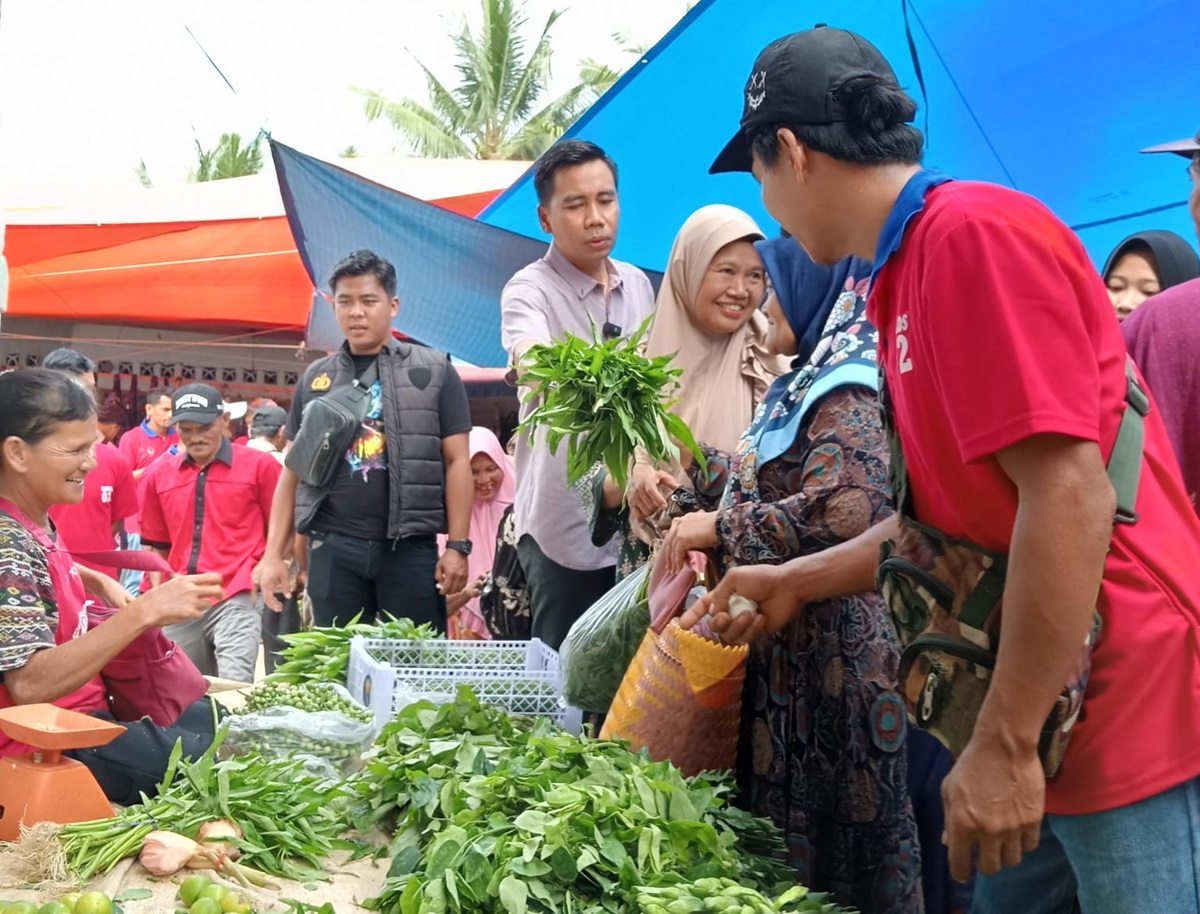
{"x": 505, "y": 816}
{"x": 605, "y": 399}
{"x": 322, "y": 655}
{"x": 290, "y": 819}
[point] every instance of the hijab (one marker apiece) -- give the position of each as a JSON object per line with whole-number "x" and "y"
{"x": 1174, "y": 259}
{"x": 835, "y": 347}
{"x": 485, "y": 522}
{"x": 723, "y": 377}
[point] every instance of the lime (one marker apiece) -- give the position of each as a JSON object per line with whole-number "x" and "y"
{"x": 215, "y": 892}
{"x": 69, "y": 900}
{"x": 55, "y": 907}
{"x": 21, "y": 907}
{"x": 205, "y": 906}
{"x": 235, "y": 903}
{"x": 93, "y": 903}
{"x": 191, "y": 888}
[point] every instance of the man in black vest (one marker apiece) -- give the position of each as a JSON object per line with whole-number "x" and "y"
{"x": 372, "y": 533}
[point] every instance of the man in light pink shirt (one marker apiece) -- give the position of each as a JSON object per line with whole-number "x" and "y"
{"x": 576, "y": 287}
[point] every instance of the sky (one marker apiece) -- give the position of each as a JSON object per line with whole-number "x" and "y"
{"x": 90, "y": 88}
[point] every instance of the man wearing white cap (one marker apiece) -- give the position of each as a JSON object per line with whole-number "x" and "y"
{"x": 206, "y": 510}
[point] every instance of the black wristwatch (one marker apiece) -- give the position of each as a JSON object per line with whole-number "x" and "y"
{"x": 460, "y": 546}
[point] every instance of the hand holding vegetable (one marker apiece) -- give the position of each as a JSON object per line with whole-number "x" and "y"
{"x": 774, "y": 588}
{"x": 648, "y": 490}
{"x": 606, "y": 399}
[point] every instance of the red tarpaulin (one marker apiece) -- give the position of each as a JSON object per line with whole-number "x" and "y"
{"x": 242, "y": 273}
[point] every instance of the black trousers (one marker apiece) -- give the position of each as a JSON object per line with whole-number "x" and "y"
{"x": 135, "y": 762}
{"x": 274, "y": 626}
{"x": 348, "y": 575}
{"x": 558, "y": 596}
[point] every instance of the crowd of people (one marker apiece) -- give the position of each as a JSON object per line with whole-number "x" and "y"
{"x": 914, "y": 357}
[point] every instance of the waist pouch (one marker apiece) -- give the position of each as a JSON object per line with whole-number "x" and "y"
{"x": 329, "y": 427}
{"x": 945, "y": 598}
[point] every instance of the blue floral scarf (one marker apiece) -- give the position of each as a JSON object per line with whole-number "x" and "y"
{"x": 836, "y": 347}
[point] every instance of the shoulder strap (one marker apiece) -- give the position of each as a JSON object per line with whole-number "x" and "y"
{"x": 370, "y": 376}
{"x": 132, "y": 559}
{"x": 1125, "y": 462}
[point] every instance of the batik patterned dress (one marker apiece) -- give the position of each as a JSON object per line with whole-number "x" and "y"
{"x": 823, "y": 739}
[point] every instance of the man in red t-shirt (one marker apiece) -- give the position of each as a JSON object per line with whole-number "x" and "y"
{"x": 142, "y": 445}
{"x": 109, "y": 493}
{"x": 207, "y": 511}
{"x": 1006, "y": 371}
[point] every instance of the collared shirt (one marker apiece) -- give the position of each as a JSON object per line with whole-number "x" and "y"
{"x": 141, "y": 446}
{"x": 262, "y": 444}
{"x": 109, "y": 495}
{"x": 542, "y": 303}
{"x": 213, "y": 518}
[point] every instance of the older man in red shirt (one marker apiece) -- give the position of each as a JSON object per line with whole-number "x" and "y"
{"x": 207, "y": 511}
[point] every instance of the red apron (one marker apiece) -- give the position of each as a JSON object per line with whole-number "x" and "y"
{"x": 71, "y": 598}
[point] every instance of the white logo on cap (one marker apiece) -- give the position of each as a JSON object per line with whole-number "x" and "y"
{"x": 758, "y": 83}
{"x": 192, "y": 401}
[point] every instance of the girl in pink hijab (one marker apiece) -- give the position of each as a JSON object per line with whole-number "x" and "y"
{"x": 495, "y": 483}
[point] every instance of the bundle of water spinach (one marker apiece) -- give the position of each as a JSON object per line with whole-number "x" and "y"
{"x": 494, "y": 814}
{"x": 606, "y": 399}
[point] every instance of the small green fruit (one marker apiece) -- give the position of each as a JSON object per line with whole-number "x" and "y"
{"x": 214, "y": 892}
{"x": 191, "y": 888}
{"x": 205, "y": 906}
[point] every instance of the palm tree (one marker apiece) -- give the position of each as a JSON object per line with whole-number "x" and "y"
{"x": 228, "y": 159}
{"x": 497, "y": 111}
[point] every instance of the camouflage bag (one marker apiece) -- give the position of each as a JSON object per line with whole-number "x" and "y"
{"x": 945, "y": 594}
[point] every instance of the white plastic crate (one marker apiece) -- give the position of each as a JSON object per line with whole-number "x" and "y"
{"x": 521, "y": 677}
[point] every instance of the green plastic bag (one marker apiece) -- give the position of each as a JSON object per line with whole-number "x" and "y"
{"x": 601, "y": 644}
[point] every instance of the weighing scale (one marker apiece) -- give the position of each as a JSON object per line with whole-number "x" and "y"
{"x": 42, "y": 786}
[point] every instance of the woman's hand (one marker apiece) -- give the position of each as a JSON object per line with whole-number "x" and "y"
{"x": 775, "y": 588}
{"x": 645, "y": 494}
{"x": 180, "y": 599}
{"x": 112, "y": 593}
{"x": 690, "y": 532}
{"x": 108, "y": 590}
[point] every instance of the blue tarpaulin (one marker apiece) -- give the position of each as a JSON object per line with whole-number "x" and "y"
{"x": 1053, "y": 98}
{"x": 450, "y": 269}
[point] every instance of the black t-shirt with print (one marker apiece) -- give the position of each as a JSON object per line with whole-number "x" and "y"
{"x": 357, "y": 504}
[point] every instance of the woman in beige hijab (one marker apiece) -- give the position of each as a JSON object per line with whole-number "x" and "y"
{"x": 709, "y": 316}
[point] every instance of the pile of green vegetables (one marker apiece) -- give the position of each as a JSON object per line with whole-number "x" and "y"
{"x": 304, "y": 696}
{"x": 495, "y": 814}
{"x": 322, "y": 655}
{"x": 606, "y": 399}
{"x": 321, "y": 720}
{"x": 724, "y": 896}
{"x": 290, "y": 818}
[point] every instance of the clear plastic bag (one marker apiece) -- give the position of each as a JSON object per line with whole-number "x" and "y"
{"x": 286, "y": 732}
{"x": 602, "y": 643}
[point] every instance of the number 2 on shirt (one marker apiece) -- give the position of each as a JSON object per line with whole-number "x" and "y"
{"x": 904, "y": 363}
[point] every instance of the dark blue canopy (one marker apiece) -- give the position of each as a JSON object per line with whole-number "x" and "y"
{"x": 1053, "y": 98}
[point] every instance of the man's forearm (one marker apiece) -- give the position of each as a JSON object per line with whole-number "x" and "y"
{"x": 281, "y": 531}
{"x": 460, "y": 496}
{"x": 843, "y": 570}
{"x": 1055, "y": 567}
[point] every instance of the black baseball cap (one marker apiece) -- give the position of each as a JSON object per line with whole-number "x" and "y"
{"x": 197, "y": 403}
{"x": 1185, "y": 148}
{"x": 795, "y": 80}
